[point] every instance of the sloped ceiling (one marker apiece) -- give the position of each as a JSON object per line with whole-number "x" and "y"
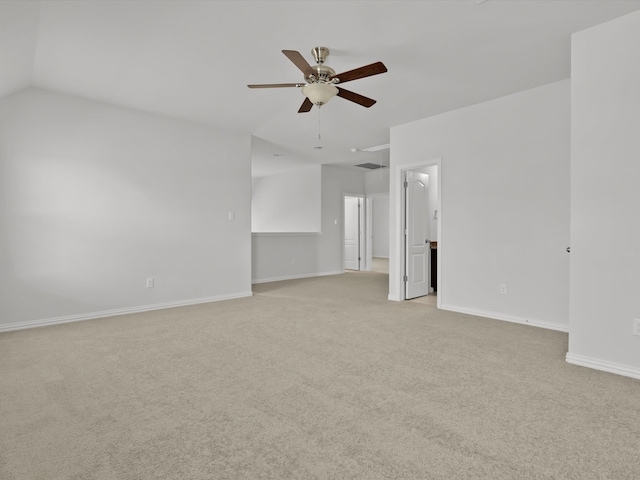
{"x": 193, "y": 59}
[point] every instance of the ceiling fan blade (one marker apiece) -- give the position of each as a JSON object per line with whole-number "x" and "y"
{"x": 276, "y": 85}
{"x": 306, "y": 106}
{"x": 366, "y": 71}
{"x": 355, "y": 97}
{"x": 299, "y": 61}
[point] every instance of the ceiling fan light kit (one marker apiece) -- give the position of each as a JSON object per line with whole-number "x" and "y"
{"x": 319, "y": 93}
{"x": 320, "y": 80}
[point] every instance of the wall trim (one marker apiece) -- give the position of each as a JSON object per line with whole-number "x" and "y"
{"x": 507, "y": 318}
{"x": 293, "y": 277}
{"x": 117, "y": 312}
{"x": 603, "y": 365}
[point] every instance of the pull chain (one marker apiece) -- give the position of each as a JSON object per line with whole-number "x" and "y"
{"x": 319, "y": 146}
{"x": 319, "y": 136}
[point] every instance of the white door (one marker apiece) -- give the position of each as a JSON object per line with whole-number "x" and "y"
{"x": 418, "y": 253}
{"x": 352, "y": 233}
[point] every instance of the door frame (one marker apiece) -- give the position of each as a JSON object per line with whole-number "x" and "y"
{"x": 400, "y": 263}
{"x": 362, "y": 245}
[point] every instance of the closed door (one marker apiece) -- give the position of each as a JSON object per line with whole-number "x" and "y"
{"x": 417, "y": 227}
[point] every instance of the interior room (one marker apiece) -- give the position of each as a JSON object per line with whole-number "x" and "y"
{"x": 184, "y": 292}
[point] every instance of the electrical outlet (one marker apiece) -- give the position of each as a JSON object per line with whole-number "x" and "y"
{"x": 636, "y": 326}
{"x": 150, "y": 282}
{"x": 503, "y": 289}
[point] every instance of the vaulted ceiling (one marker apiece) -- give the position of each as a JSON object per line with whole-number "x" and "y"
{"x": 193, "y": 59}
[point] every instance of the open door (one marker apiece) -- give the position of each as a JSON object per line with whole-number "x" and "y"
{"x": 417, "y": 230}
{"x": 352, "y": 232}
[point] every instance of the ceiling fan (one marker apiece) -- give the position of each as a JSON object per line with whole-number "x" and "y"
{"x": 320, "y": 80}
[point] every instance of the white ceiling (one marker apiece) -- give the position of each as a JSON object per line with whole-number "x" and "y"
{"x": 193, "y": 59}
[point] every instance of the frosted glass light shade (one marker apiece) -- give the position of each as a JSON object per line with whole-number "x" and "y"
{"x": 319, "y": 93}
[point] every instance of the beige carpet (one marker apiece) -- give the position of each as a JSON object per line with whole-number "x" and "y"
{"x": 431, "y": 300}
{"x": 380, "y": 264}
{"x": 320, "y": 378}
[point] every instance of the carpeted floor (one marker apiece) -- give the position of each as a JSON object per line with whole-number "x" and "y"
{"x": 320, "y": 378}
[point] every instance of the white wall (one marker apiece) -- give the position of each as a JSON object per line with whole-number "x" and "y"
{"x": 95, "y": 198}
{"x": 505, "y": 204}
{"x": 377, "y": 181}
{"x": 282, "y": 256}
{"x": 380, "y": 227}
{"x": 377, "y": 188}
{"x": 18, "y": 40}
{"x": 287, "y": 202}
{"x": 605, "y": 201}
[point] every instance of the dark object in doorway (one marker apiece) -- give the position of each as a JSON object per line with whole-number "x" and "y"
{"x": 434, "y": 266}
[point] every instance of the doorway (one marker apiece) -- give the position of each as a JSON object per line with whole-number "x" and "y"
{"x": 354, "y": 247}
{"x": 420, "y": 243}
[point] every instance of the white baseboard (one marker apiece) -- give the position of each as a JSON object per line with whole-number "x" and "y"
{"x": 116, "y": 312}
{"x": 603, "y": 365}
{"x": 294, "y": 277}
{"x": 507, "y": 318}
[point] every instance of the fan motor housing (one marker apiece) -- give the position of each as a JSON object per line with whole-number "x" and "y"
{"x": 323, "y": 75}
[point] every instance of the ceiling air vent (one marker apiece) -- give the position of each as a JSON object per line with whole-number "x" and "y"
{"x": 370, "y": 166}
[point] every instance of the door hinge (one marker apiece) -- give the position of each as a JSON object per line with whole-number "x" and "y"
{"x": 405, "y": 278}
{"x": 406, "y": 184}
